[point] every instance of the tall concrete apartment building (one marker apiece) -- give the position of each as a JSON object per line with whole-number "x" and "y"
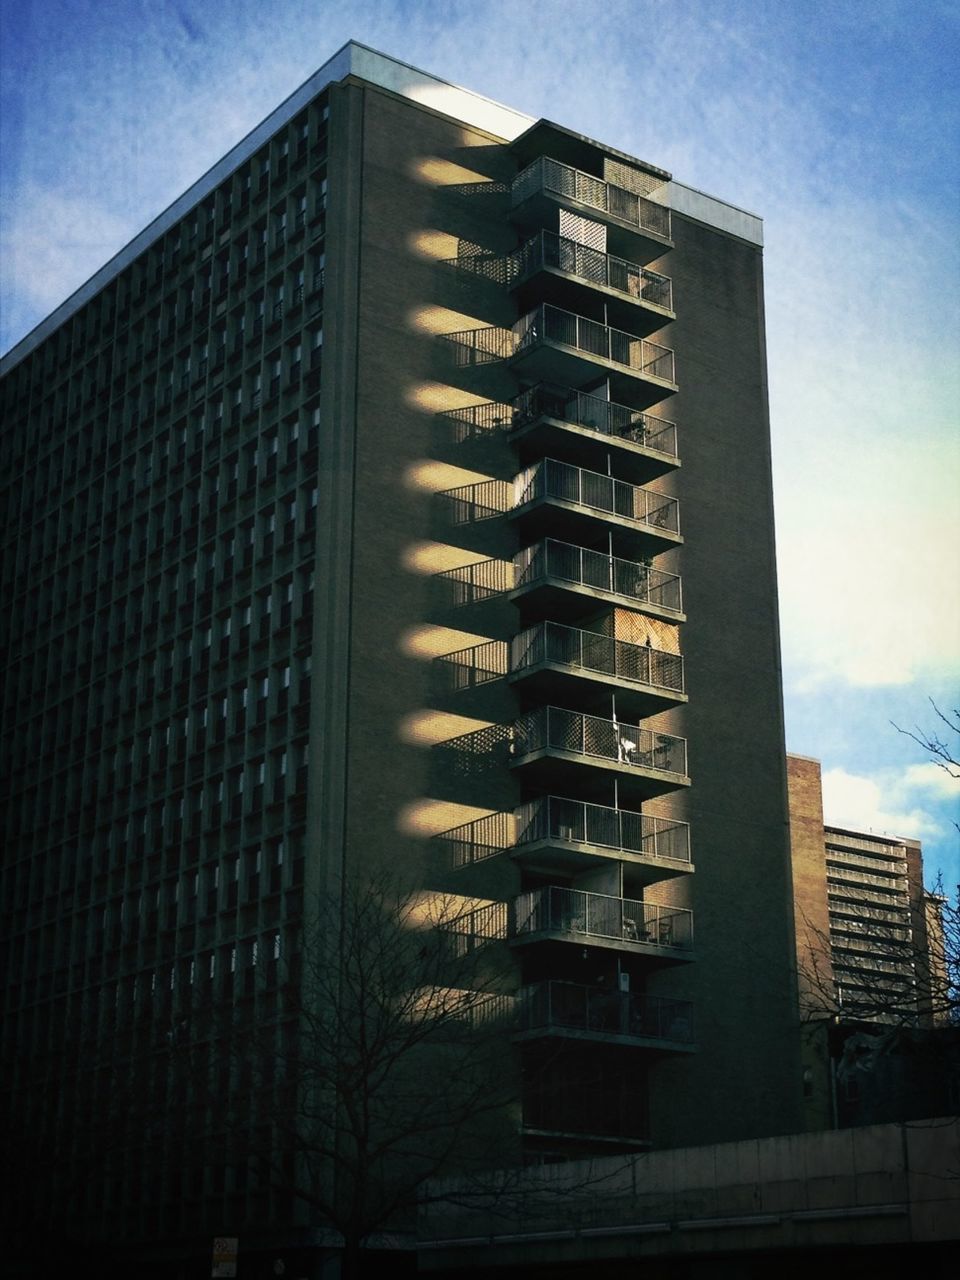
{"x": 399, "y": 498}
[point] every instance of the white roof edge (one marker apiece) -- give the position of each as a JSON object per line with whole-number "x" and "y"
{"x": 400, "y": 78}
{"x": 714, "y": 212}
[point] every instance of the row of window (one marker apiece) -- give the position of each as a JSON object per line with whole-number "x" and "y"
{"x": 82, "y": 530}
{"x": 192, "y": 234}
{"x": 68, "y": 466}
{"x": 97, "y": 576}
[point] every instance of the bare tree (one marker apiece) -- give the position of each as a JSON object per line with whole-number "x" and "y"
{"x": 390, "y": 1066}
{"x": 911, "y": 1007}
{"x": 920, "y": 985}
{"x": 944, "y": 752}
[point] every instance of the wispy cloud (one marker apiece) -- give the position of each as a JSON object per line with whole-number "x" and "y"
{"x": 890, "y": 802}
{"x": 933, "y": 778}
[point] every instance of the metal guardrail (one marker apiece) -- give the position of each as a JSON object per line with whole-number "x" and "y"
{"x": 590, "y": 651}
{"x": 571, "y": 1005}
{"x": 596, "y": 738}
{"x": 583, "y": 567}
{"x": 555, "y": 909}
{"x": 480, "y": 346}
{"x": 488, "y": 750}
{"x": 580, "y": 651}
{"x": 593, "y": 266}
{"x": 548, "y": 478}
{"x": 547, "y": 323}
{"x": 595, "y": 414}
{"x": 552, "y": 324}
{"x": 621, "y": 830}
{"x": 552, "y": 479}
{"x": 555, "y": 178}
{"x": 590, "y": 412}
{"x": 481, "y": 580}
{"x": 476, "y": 665}
{"x": 548, "y": 249}
{"x": 572, "y": 822}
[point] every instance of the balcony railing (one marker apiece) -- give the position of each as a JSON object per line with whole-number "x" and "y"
{"x": 476, "y": 665}
{"x": 481, "y": 580}
{"x": 552, "y": 479}
{"x": 578, "y": 651}
{"x": 591, "y": 412}
{"x": 620, "y": 830}
{"x": 569, "y": 406}
{"x": 847, "y": 875}
{"x": 553, "y": 178}
{"x": 592, "y": 738}
{"x": 547, "y": 249}
{"x": 552, "y": 324}
{"x": 555, "y": 909}
{"x": 582, "y": 567}
{"x": 596, "y": 738}
{"x": 571, "y": 1006}
{"x": 555, "y": 818}
{"x": 590, "y": 652}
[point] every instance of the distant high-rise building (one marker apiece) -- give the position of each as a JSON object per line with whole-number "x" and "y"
{"x": 870, "y": 940}
{"x": 347, "y": 530}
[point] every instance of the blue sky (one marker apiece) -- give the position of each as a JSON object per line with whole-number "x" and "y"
{"x": 837, "y": 122}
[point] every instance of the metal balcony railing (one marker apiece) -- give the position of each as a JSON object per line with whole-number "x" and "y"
{"x": 481, "y": 580}
{"x": 552, "y": 324}
{"x": 596, "y": 738}
{"x": 483, "y": 838}
{"x": 552, "y": 479}
{"x": 555, "y": 909}
{"x": 582, "y": 567}
{"x": 549, "y": 478}
{"x": 547, "y": 249}
{"x": 596, "y": 414}
{"x": 620, "y": 830}
{"x": 476, "y": 665}
{"x": 570, "y": 647}
{"x": 848, "y": 876}
{"x": 590, "y": 652}
{"x": 572, "y": 822}
{"x": 486, "y": 751}
{"x": 575, "y": 407}
{"x": 553, "y": 178}
{"x": 844, "y": 909}
{"x": 572, "y": 1006}
{"x": 861, "y": 862}
{"x": 480, "y": 346}
{"x": 474, "y": 929}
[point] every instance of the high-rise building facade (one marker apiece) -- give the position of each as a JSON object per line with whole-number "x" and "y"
{"x": 871, "y": 962}
{"x": 862, "y": 913}
{"x": 399, "y": 499}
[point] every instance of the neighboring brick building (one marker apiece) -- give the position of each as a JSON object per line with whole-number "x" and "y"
{"x": 870, "y": 964}
{"x": 345, "y": 531}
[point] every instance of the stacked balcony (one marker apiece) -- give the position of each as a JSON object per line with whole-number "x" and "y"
{"x": 554, "y": 835}
{"x": 576, "y": 427}
{"x": 582, "y": 753}
{"x": 595, "y": 648}
{"x": 573, "y": 1010}
{"x": 554, "y": 345}
{"x": 634, "y": 223}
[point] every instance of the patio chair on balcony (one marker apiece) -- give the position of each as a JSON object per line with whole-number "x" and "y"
{"x": 625, "y": 750}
